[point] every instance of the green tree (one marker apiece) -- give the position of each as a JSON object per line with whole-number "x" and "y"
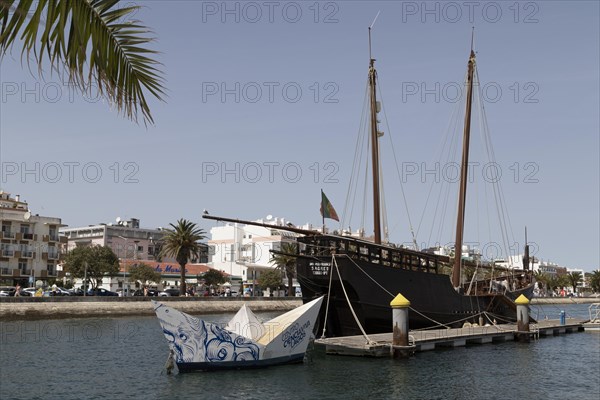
{"x": 542, "y": 280}
{"x": 574, "y": 278}
{"x": 214, "y": 277}
{"x": 181, "y": 242}
{"x": 100, "y": 261}
{"x": 594, "y": 281}
{"x": 285, "y": 260}
{"x": 143, "y": 273}
{"x": 270, "y": 279}
{"x": 95, "y": 42}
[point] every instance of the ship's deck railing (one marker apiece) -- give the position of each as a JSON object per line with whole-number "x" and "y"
{"x": 369, "y": 252}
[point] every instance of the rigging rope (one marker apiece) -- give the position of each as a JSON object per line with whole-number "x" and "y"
{"x": 369, "y": 341}
{"x": 328, "y": 295}
{"x": 356, "y": 165}
{"x": 412, "y": 232}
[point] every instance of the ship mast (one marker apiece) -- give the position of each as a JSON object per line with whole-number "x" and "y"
{"x": 462, "y": 196}
{"x": 374, "y": 146}
{"x": 526, "y": 259}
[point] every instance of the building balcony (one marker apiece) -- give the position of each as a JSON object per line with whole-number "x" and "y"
{"x": 4, "y": 271}
{"x": 27, "y": 254}
{"x": 29, "y": 236}
{"x": 8, "y": 253}
{"x": 7, "y": 235}
{"x": 53, "y": 255}
{"x": 25, "y": 272}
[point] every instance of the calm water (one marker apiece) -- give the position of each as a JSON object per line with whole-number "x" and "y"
{"x": 123, "y": 358}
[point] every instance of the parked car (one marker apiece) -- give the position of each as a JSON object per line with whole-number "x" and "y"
{"x": 9, "y": 291}
{"x": 59, "y": 291}
{"x": 76, "y": 292}
{"x": 151, "y": 292}
{"x": 101, "y": 292}
{"x": 169, "y": 293}
{"x": 30, "y": 291}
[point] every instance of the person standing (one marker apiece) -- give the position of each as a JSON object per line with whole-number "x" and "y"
{"x": 17, "y": 290}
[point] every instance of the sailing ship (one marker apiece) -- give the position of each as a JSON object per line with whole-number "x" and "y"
{"x": 360, "y": 277}
{"x": 198, "y": 345}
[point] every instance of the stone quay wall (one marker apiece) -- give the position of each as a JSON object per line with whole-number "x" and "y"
{"x": 24, "y": 308}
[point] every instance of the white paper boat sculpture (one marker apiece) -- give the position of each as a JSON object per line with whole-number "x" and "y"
{"x": 244, "y": 343}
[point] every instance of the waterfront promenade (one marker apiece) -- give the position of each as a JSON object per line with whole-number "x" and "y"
{"x": 27, "y": 308}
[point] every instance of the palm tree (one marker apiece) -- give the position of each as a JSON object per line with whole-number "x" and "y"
{"x": 542, "y": 279}
{"x": 574, "y": 278}
{"x": 181, "y": 242}
{"x": 286, "y": 261}
{"x": 93, "y": 42}
{"x": 594, "y": 281}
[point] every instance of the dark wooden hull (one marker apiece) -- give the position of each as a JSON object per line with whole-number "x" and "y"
{"x": 371, "y": 286}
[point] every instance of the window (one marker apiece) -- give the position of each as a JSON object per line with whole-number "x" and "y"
{"x": 52, "y": 252}
{"x": 7, "y": 250}
{"x": 23, "y": 264}
{"x": 6, "y": 230}
{"x": 50, "y": 269}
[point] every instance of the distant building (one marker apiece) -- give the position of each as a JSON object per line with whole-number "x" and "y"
{"x": 582, "y": 284}
{"x": 549, "y": 268}
{"x": 131, "y": 244}
{"x": 30, "y": 245}
{"x": 244, "y": 251}
{"x": 170, "y": 275}
{"x": 127, "y": 240}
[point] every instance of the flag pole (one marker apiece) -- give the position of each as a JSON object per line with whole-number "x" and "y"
{"x": 322, "y": 213}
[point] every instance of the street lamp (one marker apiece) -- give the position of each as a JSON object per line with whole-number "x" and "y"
{"x": 124, "y": 263}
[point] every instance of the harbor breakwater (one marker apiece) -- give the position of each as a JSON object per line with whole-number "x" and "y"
{"x": 27, "y": 308}
{"x": 24, "y": 308}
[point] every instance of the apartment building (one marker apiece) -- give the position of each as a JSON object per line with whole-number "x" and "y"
{"x": 30, "y": 245}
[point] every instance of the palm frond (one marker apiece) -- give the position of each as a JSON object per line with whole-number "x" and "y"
{"x": 91, "y": 40}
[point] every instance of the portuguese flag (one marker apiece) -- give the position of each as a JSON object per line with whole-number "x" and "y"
{"x": 327, "y": 210}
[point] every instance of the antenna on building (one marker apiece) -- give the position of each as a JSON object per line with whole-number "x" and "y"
{"x": 26, "y": 216}
{"x": 269, "y": 217}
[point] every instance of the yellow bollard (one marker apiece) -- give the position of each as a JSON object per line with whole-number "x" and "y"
{"x": 522, "y": 303}
{"x": 400, "y": 345}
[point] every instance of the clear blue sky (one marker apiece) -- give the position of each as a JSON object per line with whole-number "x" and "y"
{"x": 543, "y": 57}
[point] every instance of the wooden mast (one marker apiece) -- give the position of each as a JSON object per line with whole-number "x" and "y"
{"x": 374, "y": 146}
{"x": 462, "y": 197}
{"x": 526, "y": 253}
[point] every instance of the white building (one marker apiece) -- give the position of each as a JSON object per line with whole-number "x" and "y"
{"x": 30, "y": 245}
{"x": 243, "y": 251}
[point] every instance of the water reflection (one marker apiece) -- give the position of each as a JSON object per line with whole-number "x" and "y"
{"x": 124, "y": 358}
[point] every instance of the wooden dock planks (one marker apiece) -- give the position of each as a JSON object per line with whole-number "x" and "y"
{"x": 443, "y": 338}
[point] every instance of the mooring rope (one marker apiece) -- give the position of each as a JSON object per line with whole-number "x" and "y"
{"x": 369, "y": 341}
{"x": 328, "y": 295}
